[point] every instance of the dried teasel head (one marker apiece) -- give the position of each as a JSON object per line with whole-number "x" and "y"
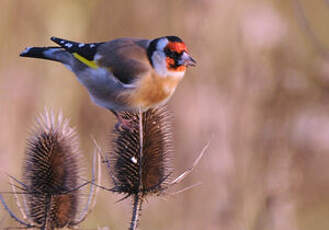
{"x": 52, "y": 183}
{"x": 135, "y": 172}
{"x": 139, "y": 160}
{"x": 51, "y": 172}
{"x": 52, "y": 177}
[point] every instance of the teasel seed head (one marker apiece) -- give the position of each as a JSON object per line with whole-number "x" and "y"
{"x": 51, "y": 173}
{"x": 136, "y": 173}
{"x": 139, "y": 160}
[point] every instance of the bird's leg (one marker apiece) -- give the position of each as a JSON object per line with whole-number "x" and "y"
{"x": 121, "y": 121}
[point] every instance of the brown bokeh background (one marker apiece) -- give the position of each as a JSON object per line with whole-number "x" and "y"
{"x": 260, "y": 91}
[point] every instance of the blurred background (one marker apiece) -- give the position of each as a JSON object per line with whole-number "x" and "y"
{"x": 260, "y": 89}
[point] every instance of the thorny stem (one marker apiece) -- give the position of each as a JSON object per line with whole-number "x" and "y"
{"x": 138, "y": 200}
{"x": 47, "y": 208}
{"x": 137, "y": 207}
{"x": 141, "y": 150}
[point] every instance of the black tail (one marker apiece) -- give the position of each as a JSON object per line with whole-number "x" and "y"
{"x": 63, "y": 52}
{"x": 54, "y": 53}
{"x": 37, "y": 52}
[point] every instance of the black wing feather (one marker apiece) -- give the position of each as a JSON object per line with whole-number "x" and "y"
{"x": 87, "y": 50}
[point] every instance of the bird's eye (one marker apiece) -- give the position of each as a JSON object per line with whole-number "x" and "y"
{"x": 168, "y": 52}
{"x": 172, "y": 54}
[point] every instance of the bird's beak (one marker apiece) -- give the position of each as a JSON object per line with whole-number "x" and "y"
{"x": 187, "y": 60}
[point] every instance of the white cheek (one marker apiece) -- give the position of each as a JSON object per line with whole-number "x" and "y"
{"x": 159, "y": 63}
{"x": 160, "y": 66}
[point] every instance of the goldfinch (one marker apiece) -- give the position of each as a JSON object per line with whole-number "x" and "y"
{"x": 125, "y": 74}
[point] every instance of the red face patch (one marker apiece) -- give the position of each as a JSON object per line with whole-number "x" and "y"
{"x": 178, "y": 47}
{"x": 172, "y": 67}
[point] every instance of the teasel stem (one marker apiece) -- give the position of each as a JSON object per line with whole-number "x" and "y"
{"x": 47, "y": 206}
{"x": 141, "y": 150}
{"x": 137, "y": 208}
{"x": 138, "y": 199}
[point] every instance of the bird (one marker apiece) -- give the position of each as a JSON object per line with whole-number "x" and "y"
{"x": 125, "y": 74}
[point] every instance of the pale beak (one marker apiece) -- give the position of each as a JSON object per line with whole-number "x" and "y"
{"x": 187, "y": 60}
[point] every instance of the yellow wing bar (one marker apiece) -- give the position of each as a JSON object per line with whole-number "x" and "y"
{"x": 91, "y": 64}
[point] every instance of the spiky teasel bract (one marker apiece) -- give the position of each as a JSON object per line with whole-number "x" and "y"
{"x": 51, "y": 176}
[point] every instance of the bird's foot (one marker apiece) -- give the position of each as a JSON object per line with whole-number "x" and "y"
{"x": 123, "y": 123}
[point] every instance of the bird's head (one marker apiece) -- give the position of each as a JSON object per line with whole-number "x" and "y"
{"x": 169, "y": 56}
